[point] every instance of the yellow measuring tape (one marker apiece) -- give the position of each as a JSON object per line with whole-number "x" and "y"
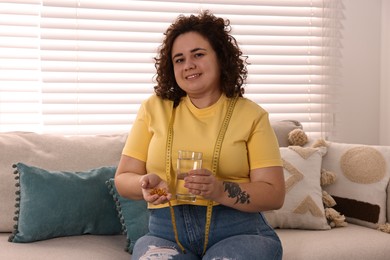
{"x": 214, "y": 169}
{"x": 168, "y": 176}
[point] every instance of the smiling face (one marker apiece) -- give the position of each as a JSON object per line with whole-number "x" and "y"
{"x": 196, "y": 66}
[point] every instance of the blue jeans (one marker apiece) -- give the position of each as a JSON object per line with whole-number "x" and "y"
{"x": 233, "y": 235}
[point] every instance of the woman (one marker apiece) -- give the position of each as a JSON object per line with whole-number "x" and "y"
{"x": 198, "y": 105}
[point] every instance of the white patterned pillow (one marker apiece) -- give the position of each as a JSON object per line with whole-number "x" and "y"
{"x": 303, "y": 207}
{"x": 363, "y": 174}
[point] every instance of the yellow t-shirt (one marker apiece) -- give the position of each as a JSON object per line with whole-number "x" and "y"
{"x": 249, "y": 141}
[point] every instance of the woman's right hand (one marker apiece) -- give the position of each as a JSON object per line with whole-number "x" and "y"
{"x": 149, "y": 183}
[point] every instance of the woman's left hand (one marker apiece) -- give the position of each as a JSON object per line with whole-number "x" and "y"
{"x": 202, "y": 182}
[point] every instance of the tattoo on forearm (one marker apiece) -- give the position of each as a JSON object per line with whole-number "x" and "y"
{"x": 234, "y": 191}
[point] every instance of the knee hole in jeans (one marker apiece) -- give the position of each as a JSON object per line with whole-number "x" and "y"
{"x": 159, "y": 253}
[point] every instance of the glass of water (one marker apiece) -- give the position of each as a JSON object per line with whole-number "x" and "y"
{"x": 186, "y": 161}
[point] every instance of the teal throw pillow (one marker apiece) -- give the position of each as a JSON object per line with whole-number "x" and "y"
{"x": 59, "y": 203}
{"x": 133, "y": 215}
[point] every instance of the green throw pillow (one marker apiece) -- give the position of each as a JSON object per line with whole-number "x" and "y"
{"x": 133, "y": 214}
{"x": 58, "y": 203}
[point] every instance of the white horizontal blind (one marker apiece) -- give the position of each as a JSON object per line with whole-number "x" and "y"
{"x": 20, "y": 84}
{"x": 93, "y": 60}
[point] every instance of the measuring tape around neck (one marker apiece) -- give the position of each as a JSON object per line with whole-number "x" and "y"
{"x": 214, "y": 168}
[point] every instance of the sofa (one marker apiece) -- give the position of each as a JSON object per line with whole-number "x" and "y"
{"x": 58, "y": 199}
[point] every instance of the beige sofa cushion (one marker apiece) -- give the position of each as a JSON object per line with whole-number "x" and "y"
{"x": 345, "y": 243}
{"x": 86, "y": 247}
{"x": 351, "y": 242}
{"x": 51, "y": 152}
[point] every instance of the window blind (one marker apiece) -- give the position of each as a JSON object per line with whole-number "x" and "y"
{"x": 84, "y": 66}
{"x": 20, "y": 97}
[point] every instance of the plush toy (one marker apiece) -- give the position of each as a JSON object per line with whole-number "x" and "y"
{"x": 297, "y": 137}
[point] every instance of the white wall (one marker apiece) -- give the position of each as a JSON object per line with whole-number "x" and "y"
{"x": 385, "y": 75}
{"x": 358, "y": 112}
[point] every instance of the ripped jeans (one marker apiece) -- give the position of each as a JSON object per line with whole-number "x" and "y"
{"x": 233, "y": 235}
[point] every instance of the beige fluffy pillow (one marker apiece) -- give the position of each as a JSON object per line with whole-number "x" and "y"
{"x": 303, "y": 207}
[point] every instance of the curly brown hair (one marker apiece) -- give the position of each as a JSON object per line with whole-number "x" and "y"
{"x": 217, "y": 32}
